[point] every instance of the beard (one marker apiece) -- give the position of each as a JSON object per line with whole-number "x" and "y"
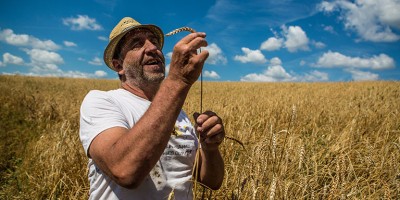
{"x": 137, "y": 74}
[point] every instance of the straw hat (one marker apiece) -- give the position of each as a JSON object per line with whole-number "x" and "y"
{"x": 123, "y": 27}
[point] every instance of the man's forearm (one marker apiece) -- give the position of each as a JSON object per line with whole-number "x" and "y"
{"x": 212, "y": 169}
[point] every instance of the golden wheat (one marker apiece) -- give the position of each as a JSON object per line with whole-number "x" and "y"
{"x": 302, "y": 140}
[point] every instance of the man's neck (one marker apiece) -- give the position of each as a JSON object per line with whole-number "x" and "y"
{"x": 147, "y": 92}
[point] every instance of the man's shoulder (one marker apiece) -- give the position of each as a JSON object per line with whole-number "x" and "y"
{"x": 102, "y": 94}
{"x": 94, "y": 97}
{"x": 113, "y": 97}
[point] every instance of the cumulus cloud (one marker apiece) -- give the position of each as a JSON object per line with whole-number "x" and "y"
{"x": 61, "y": 73}
{"x": 216, "y": 56}
{"x": 371, "y": 20}
{"x": 44, "y": 61}
{"x": 82, "y": 22}
{"x": 335, "y": 59}
{"x": 277, "y": 73}
{"x": 272, "y": 44}
{"x": 42, "y": 58}
{"x": 100, "y": 73}
{"x": 254, "y": 56}
{"x": 275, "y": 61}
{"x": 11, "y": 59}
{"x": 293, "y": 38}
{"x": 23, "y": 40}
{"x": 211, "y": 74}
{"x": 96, "y": 61}
{"x": 168, "y": 55}
{"x": 54, "y": 71}
{"x": 313, "y": 76}
{"x": 102, "y": 38}
{"x": 358, "y": 75}
{"x": 69, "y": 44}
{"x": 329, "y": 29}
{"x": 296, "y": 39}
{"x": 318, "y": 45}
{"x": 167, "y": 69}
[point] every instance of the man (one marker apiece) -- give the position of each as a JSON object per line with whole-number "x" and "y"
{"x": 140, "y": 143}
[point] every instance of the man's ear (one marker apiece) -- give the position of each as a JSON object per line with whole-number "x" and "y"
{"x": 118, "y": 66}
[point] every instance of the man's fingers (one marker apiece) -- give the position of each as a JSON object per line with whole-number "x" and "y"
{"x": 209, "y": 123}
{"x": 192, "y": 42}
{"x": 214, "y": 130}
{"x": 195, "y": 116}
{"x": 203, "y": 117}
{"x": 215, "y": 139}
{"x": 189, "y": 38}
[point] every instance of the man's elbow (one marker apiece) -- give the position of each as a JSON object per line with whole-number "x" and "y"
{"x": 128, "y": 180}
{"x": 215, "y": 186}
{"x": 212, "y": 184}
{"x": 129, "y": 184}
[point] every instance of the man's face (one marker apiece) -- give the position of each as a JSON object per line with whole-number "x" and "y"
{"x": 143, "y": 61}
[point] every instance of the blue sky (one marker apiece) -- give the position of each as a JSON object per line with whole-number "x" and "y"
{"x": 255, "y": 40}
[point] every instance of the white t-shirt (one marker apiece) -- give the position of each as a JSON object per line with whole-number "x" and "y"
{"x": 101, "y": 110}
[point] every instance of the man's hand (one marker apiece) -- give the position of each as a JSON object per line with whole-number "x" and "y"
{"x": 211, "y": 130}
{"x": 186, "y": 65}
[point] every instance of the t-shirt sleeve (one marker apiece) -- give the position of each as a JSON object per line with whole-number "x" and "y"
{"x": 98, "y": 112}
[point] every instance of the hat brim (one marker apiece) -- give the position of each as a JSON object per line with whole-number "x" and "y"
{"x": 110, "y": 49}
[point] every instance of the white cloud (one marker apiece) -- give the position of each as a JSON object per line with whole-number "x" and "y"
{"x": 102, "y": 38}
{"x": 335, "y": 59}
{"x": 24, "y": 40}
{"x": 11, "y": 59}
{"x": 314, "y": 76}
{"x": 372, "y": 20}
{"x": 96, "y": 61}
{"x": 275, "y": 61}
{"x": 272, "y": 44}
{"x": 100, "y": 73}
{"x": 318, "y": 45}
{"x": 358, "y": 75}
{"x": 61, "y": 73}
{"x": 216, "y": 56}
{"x": 296, "y": 39}
{"x": 327, "y": 6}
{"x": 44, "y": 61}
{"x": 257, "y": 78}
{"x": 211, "y": 74}
{"x": 82, "y": 22}
{"x": 167, "y": 69}
{"x": 329, "y": 29}
{"x": 254, "y": 56}
{"x": 276, "y": 73}
{"x": 168, "y": 55}
{"x": 69, "y": 44}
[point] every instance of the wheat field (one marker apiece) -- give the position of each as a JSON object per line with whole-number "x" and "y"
{"x": 300, "y": 140}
